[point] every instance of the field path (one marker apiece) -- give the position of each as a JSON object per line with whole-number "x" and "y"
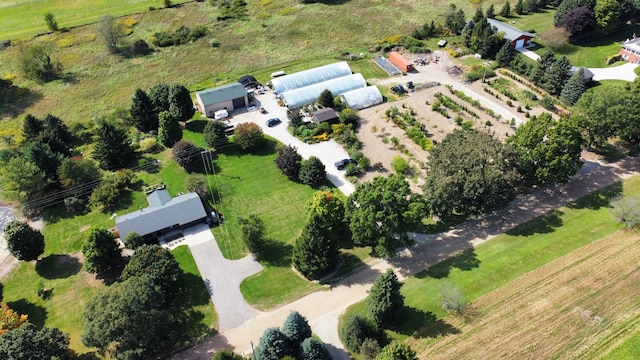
{"x": 322, "y": 309}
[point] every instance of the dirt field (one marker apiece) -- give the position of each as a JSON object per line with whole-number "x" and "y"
{"x": 578, "y": 307}
{"x": 437, "y": 125}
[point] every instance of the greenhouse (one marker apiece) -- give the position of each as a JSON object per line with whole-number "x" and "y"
{"x": 362, "y": 98}
{"x": 309, "y": 94}
{"x": 309, "y": 77}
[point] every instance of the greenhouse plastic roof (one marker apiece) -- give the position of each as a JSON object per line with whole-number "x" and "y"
{"x": 362, "y": 98}
{"x": 309, "y": 77}
{"x": 309, "y": 94}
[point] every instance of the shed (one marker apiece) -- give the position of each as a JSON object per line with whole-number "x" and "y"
{"x": 518, "y": 38}
{"x": 163, "y": 215}
{"x": 324, "y": 115}
{"x": 226, "y": 97}
{"x": 587, "y": 75}
{"x": 309, "y": 77}
{"x": 362, "y": 98}
{"x": 248, "y": 82}
{"x": 309, "y": 94}
{"x": 400, "y": 61}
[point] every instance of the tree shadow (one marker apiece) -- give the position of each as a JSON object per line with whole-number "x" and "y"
{"x": 276, "y": 253}
{"x": 15, "y": 100}
{"x": 190, "y": 326}
{"x": 196, "y": 126}
{"x": 423, "y": 324}
{"x": 58, "y": 266}
{"x": 544, "y": 224}
{"x": 125, "y": 200}
{"x": 112, "y": 275}
{"x": 465, "y": 261}
{"x": 37, "y": 314}
{"x": 268, "y": 147}
{"x": 194, "y": 291}
{"x": 599, "y": 199}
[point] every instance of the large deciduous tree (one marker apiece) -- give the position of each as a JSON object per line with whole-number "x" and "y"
{"x": 112, "y": 32}
{"x": 129, "y": 321}
{"x": 10, "y": 319}
{"x": 36, "y": 63}
{"x": 548, "y": 151}
{"x": 481, "y": 179}
{"x": 72, "y": 173}
{"x": 607, "y": 12}
{"x": 600, "y": 116}
{"x": 326, "y": 98}
{"x": 185, "y": 153}
{"x": 379, "y": 213}
{"x": 180, "y": 103}
{"x": 384, "y": 303}
{"x": 100, "y": 250}
{"x": 142, "y": 112}
{"x": 289, "y": 161}
{"x": 169, "y": 131}
{"x": 28, "y": 342}
{"x": 316, "y": 251}
{"x": 578, "y": 21}
{"x": 24, "y": 242}
{"x": 159, "y": 265}
{"x": 248, "y": 136}
{"x": 567, "y": 5}
{"x": 112, "y": 149}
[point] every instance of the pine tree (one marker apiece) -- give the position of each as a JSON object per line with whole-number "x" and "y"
{"x": 384, "y": 302}
{"x": 31, "y": 127}
{"x": 519, "y": 7}
{"x": 159, "y": 95}
{"x": 180, "y": 103}
{"x": 506, "y": 10}
{"x": 312, "y": 348}
{"x": 112, "y": 149}
{"x": 478, "y": 16}
{"x": 169, "y": 131}
{"x": 491, "y": 12}
{"x": 296, "y": 328}
{"x": 556, "y": 76}
{"x": 316, "y": 250}
{"x": 326, "y": 98}
{"x": 574, "y": 88}
{"x": 506, "y": 54}
{"x": 544, "y": 63}
{"x": 142, "y": 112}
{"x": 273, "y": 345}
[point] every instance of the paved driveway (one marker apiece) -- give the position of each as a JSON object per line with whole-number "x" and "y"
{"x": 222, "y": 277}
{"x": 329, "y": 152}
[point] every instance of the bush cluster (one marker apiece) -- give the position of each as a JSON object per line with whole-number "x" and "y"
{"x": 182, "y": 35}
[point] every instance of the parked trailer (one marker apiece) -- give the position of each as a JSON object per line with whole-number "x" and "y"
{"x": 400, "y": 61}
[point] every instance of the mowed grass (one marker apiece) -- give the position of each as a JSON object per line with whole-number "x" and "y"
{"x": 628, "y": 350}
{"x": 23, "y": 18}
{"x": 476, "y": 272}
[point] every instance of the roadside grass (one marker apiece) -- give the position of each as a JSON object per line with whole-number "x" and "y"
{"x": 478, "y": 271}
{"x": 26, "y": 18}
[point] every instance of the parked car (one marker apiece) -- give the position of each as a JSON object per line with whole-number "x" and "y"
{"x": 273, "y": 122}
{"x": 342, "y": 164}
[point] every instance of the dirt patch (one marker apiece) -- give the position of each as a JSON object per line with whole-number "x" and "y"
{"x": 579, "y": 306}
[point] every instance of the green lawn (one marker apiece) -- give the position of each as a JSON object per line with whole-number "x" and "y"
{"x": 628, "y": 350}
{"x": 505, "y": 258}
{"x": 26, "y": 18}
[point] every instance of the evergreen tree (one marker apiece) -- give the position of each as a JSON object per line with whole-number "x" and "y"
{"x": 574, "y": 88}
{"x": 142, "y": 112}
{"x": 506, "y": 10}
{"x": 519, "y": 8}
{"x": 385, "y": 303}
{"x": 455, "y": 20}
{"x": 215, "y": 134}
{"x": 180, "y": 103}
{"x": 478, "y": 16}
{"x": 312, "y": 171}
{"x": 40, "y": 154}
{"x": 112, "y": 148}
{"x": 312, "y": 348}
{"x": 544, "y": 63}
{"x": 252, "y": 229}
{"x": 316, "y": 251}
{"x": 100, "y": 249}
{"x": 159, "y": 95}
{"x": 326, "y": 99}
{"x": 506, "y": 54}
{"x": 169, "y": 131}
{"x": 273, "y": 345}
{"x": 531, "y": 6}
{"x": 556, "y": 76}
{"x": 31, "y": 127}
{"x": 56, "y": 134}
{"x": 296, "y": 329}
{"x": 491, "y": 12}
{"x": 397, "y": 351}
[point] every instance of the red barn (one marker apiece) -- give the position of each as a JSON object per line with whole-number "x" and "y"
{"x": 400, "y": 61}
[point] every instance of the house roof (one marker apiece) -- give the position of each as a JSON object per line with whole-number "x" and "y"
{"x": 325, "y": 114}
{"x": 586, "y": 73}
{"x": 510, "y": 33}
{"x": 632, "y": 44}
{"x": 221, "y": 93}
{"x": 161, "y": 213}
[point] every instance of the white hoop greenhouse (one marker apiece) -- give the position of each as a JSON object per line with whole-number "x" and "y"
{"x": 362, "y": 98}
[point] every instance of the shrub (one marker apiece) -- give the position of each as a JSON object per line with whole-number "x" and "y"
{"x": 312, "y": 171}
{"x": 184, "y": 152}
{"x": 289, "y": 162}
{"x": 248, "y": 136}
{"x": 400, "y": 165}
{"x": 355, "y": 330}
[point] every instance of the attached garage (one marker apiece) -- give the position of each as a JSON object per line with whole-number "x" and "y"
{"x": 226, "y": 97}
{"x": 518, "y": 38}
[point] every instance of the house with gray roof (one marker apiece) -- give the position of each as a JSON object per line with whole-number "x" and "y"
{"x": 164, "y": 215}
{"x": 519, "y": 39}
{"x": 226, "y": 97}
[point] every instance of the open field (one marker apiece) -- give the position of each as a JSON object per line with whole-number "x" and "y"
{"x": 576, "y": 307}
{"x": 21, "y": 18}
